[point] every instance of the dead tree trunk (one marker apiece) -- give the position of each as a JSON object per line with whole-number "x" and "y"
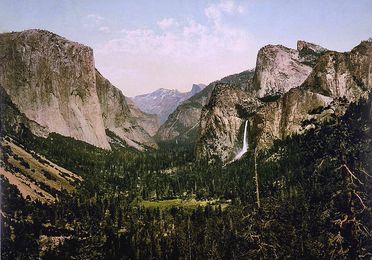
{"x": 256, "y": 179}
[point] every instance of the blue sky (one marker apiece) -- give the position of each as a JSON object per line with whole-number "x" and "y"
{"x": 144, "y": 45}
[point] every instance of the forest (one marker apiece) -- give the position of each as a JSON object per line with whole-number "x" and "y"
{"x": 311, "y": 200}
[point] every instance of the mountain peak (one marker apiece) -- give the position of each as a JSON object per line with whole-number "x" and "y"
{"x": 40, "y": 37}
{"x": 163, "y": 101}
{"x": 196, "y": 88}
{"x": 311, "y": 46}
{"x": 279, "y": 69}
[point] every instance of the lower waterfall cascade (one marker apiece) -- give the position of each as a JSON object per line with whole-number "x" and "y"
{"x": 245, "y": 143}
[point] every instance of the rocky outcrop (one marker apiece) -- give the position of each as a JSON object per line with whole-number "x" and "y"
{"x": 117, "y": 115}
{"x": 49, "y": 84}
{"x": 327, "y": 81}
{"x": 163, "y": 102}
{"x": 283, "y": 117}
{"x": 337, "y": 79}
{"x": 346, "y": 74}
{"x": 310, "y": 47}
{"x": 196, "y": 88}
{"x": 12, "y": 121}
{"x": 149, "y": 122}
{"x": 52, "y": 82}
{"x": 309, "y": 52}
{"x": 278, "y": 69}
{"x": 222, "y": 120}
{"x": 183, "y": 124}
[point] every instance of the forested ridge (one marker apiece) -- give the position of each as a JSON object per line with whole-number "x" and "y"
{"x": 315, "y": 200}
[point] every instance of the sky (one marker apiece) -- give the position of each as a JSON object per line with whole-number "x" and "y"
{"x": 141, "y": 46}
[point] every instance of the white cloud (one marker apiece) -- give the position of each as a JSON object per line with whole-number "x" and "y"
{"x": 216, "y": 11}
{"x": 182, "y": 53}
{"x": 192, "y": 40}
{"x": 194, "y": 28}
{"x": 96, "y": 22}
{"x": 97, "y": 19}
{"x": 104, "y": 29}
{"x": 166, "y": 23}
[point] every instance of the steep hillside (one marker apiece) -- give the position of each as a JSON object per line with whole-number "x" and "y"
{"x": 13, "y": 121}
{"x": 278, "y": 68}
{"x": 296, "y": 89}
{"x": 285, "y": 116}
{"x": 36, "y": 178}
{"x": 52, "y": 81}
{"x": 337, "y": 80}
{"x": 225, "y": 114}
{"x": 183, "y": 124}
{"x": 117, "y": 115}
{"x": 149, "y": 122}
{"x": 346, "y": 74}
{"x": 54, "y": 85}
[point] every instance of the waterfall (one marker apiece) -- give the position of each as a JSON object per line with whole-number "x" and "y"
{"x": 245, "y": 143}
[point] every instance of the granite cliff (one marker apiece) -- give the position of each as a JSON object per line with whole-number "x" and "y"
{"x": 289, "y": 87}
{"x": 183, "y": 123}
{"x": 53, "y": 84}
{"x": 119, "y": 118}
{"x": 52, "y": 81}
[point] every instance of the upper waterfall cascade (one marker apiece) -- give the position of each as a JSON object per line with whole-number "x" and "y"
{"x": 245, "y": 143}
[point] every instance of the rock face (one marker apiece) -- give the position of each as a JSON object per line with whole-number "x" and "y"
{"x": 163, "y": 102}
{"x": 278, "y": 69}
{"x": 222, "y": 122}
{"x": 149, "y": 122}
{"x": 117, "y": 115}
{"x": 335, "y": 75}
{"x": 310, "y": 47}
{"x": 49, "y": 84}
{"x": 343, "y": 74}
{"x": 13, "y": 121}
{"x": 317, "y": 83}
{"x": 196, "y": 88}
{"x": 183, "y": 124}
{"x": 283, "y": 117}
{"x": 52, "y": 81}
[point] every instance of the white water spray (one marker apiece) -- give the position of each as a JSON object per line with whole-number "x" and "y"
{"x": 245, "y": 143}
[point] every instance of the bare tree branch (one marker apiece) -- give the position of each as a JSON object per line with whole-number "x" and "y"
{"x": 363, "y": 171}
{"x": 349, "y": 171}
{"x": 361, "y": 201}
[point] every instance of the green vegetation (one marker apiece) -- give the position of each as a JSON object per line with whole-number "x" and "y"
{"x": 315, "y": 200}
{"x": 310, "y": 56}
{"x": 270, "y": 98}
{"x": 189, "y": 203}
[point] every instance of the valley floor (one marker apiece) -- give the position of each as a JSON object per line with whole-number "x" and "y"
{"x": 65, "y": 199}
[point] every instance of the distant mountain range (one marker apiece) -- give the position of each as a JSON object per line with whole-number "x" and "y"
{"x": 61, "y": 92}
{"x": 183, "y": 123}
{"x": 163, "y": 102}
